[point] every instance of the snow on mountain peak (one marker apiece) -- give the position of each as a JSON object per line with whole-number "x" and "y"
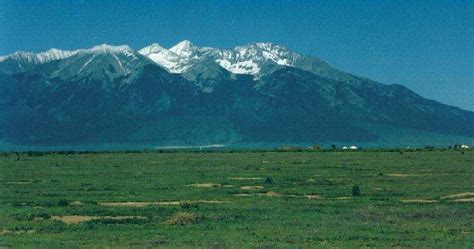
{"x": 54, "y": 54}
{"x": 153, "y": 48}
{"x": 104, "y": 48}
{"x": 168, "y": 59}
{"x": 24, "y": 56}
{"x": 39, "y": 58}
{"x": 240, "y": 60}
{"x": 184, "y": 49}
{"x": 250, "y": 58}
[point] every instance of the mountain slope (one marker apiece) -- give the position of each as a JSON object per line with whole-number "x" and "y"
{"x": 188, "y": 95}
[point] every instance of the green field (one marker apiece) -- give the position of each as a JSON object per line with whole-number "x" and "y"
{"x": 240, "y": 199}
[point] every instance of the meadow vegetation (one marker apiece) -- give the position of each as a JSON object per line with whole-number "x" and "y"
{"x": 263, "y": 199}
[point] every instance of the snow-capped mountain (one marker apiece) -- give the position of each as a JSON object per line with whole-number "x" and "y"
{"x": 57, "y": 54}
{"x": 257, "y": 59}
{"x": 168, "y": 59}
{"x": 251, "y": 58}
{"x": 241, "y": 60}
{"x": 39, "y": 58}
{"x": 257, "y": 93}
{"x": 73, "y": 63}
{"x": 121, "y": 60}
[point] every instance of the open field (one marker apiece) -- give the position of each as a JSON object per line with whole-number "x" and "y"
{"x": 259, "y": 199}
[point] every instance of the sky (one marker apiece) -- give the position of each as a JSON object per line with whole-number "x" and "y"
{"x": 427, "y": 46}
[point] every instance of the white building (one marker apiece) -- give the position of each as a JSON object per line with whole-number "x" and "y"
{"x": 463, "y": 146}
{"x": 353, "y": 147}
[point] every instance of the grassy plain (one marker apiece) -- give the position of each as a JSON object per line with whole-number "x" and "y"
{"x": 241, "y": 199}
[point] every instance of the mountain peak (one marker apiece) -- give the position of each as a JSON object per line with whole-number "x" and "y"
{"x": 265, "y": 45}
{"x": 39, "y": 58}
{"x": 184, "y": 48}
{"x": 54, "y": 54}
{"x": 154, "y": 47}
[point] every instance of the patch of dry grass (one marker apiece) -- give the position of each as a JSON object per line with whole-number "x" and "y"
{"x": 343, "y": 198}
{"x": 205, "y": 185}
{"x": 251, "y": 187}
{"x": 459, "y": 196}
{"x": 6, "y": 231}
{"x": 184, "y": 218}
{"x": 399, "y": 175}
{"x": 419, "y": 201}
{"x": 465, "y": 200}
{"x": 74, "y": 219}
{"x": 275, "y": 194}
{"x": 76, "y": 203}
{"x": 245, "y": 178}
{"x": 18, "y": 182}
{"x": 160, "y": 203}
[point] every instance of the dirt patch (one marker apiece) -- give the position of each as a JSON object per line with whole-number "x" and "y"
{"x": 312, "y": 196}
{"x": 210, "y": 202}
{"x": 343, "y": 198}
{"x": 275, "y": 194}
{"x": 419, "y": 201}
{"x": 245, "y": 178}
{"x": 205, "y": 185}
{"x": 459, "y": 196}
{"x": 271, "y": 194}
{"x": 399, "y": 175}
{"x": 209, "y": 185}
{"x": 74, "y": 219}
{"x": 251, "y": 187}
{"x": 128, "y": 204}
{"x": 159, "y": 203}
{"x": 6, "y": 231}
{"x": 76, "y": 203}
{"x": 183, "y": 218}
{"x": 18, "y": 182}
{"x": 465, "y": 200}
{"x": 243, "y": 195}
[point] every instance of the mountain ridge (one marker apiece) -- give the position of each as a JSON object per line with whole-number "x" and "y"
{"x": 257, "y": 93}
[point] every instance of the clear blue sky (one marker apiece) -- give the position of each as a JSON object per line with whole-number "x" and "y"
{"x": 425, "y": 45}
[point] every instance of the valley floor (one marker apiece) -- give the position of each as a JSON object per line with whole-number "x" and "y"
{"x": 251, "y": 199}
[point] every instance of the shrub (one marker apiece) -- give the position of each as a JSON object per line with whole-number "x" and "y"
{"x": 63, "y": 203}
{"x": 356, "y": 190}
{"x": 188, "y": 205}
{"x": 269, "y": 180}
{"x": 43, "y": 215}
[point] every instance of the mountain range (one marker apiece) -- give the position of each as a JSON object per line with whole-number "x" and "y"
{"x": 259, "y": 93}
